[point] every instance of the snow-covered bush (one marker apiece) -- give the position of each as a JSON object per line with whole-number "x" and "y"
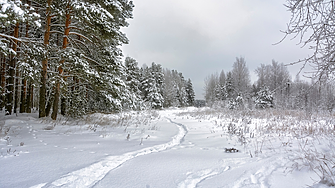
{"x": 236, "y": 103}
{"x": 321, "y": 163}
{"x": 264, "y": 98}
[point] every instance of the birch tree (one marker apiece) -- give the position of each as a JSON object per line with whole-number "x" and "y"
{"x": 241, "y": 76}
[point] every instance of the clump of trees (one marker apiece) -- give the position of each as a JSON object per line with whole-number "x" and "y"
{"x": 156, "y": 87}
{"x": 231, "y": 89}
{"x": 63, "y": 57}
{"x": 274, "y": 88}
{"x": 63, "y": 54}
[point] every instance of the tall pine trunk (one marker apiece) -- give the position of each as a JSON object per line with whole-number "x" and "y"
{"x": 60, "y": 68}
{"x": 63, "y": 105}
{"x": 17, "y": 75}
{"x": 10, "y": 86}
{"x": 23, "y": 105}
{"x": 44, "y": 72}
{"x": 16, "y": 93}
{"x": 3, "y": 81}
{"x": 50, "y": 101}
{"x": 23, "y": 96}
{"x": 29, "y": 98}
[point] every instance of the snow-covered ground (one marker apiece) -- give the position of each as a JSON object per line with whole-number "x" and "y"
{"x": 170, "y": 148}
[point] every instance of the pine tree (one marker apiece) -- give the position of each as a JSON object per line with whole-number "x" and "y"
{"x": 73, "y": 45}
{"x": 220, "y": 92}
{"x": 133, "y": 82}
{"x": 181, "y": 92}
{"x": 96, "y": 25}
{"x": 264, "y": 98}
{"x": 157, "y": 72}
{"x": 230, "y": 91}
{"x": 190, "y": 93}
{"x": 14, "y": 15}
{"x": 150, "y": 89}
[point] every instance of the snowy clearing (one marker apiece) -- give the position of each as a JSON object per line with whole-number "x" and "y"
{"x": 172, "y": 148}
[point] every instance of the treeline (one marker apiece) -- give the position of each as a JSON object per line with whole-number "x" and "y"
{"x": 63, "y": 56}
{"x": 273, "y": 88}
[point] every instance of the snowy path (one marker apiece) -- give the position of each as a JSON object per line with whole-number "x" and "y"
{"x": 193, "y": 179}
{"x": 89, "y": 176}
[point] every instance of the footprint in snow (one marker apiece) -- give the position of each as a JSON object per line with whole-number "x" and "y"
{"x": 227, "y": 168}
{"x": 253, "y": 179}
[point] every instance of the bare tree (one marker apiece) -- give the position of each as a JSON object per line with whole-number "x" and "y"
{"x": 210, "y": 83}
{"x": 241, "y": 76}
{"x": 263, "y": 73}
{"x": 276, "y": 77}
{"x": 314, "y": 23}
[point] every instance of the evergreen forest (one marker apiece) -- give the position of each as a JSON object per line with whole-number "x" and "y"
{"x": 63, "y": 56}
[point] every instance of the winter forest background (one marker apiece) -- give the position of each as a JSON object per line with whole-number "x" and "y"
{"x": 64, "y": 56}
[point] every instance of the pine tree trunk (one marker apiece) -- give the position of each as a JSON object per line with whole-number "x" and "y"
{"x": 29, "y": 98}
{"x": 50, "y": 102}
{"x": 10, "y": 86}
{"x": 60, "y": 68}
{"x": 3, "y": 82}
{"x": 16, "y": 93}
{"x": 56, "y": 102}
{"x": 17, "y": 75}
{"x": 63, "y": 106}
{"x": 23, "y": 96}
{"x": 45, "y": 63}
{"x": 23, "y": 105}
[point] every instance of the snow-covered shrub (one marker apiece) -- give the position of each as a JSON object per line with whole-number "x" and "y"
{"x": 321, "y": 163}
{"x": 236, "y": 103}
{"x": 264, "y": 98}
{"x": 4, "y": 131}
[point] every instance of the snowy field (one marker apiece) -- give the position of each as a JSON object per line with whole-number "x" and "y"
{"x": 171, "y": 148}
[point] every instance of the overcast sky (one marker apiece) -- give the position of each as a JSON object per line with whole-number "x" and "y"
{"x": 201, "y": 37}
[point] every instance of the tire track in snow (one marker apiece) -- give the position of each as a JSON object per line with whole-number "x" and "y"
{"x": 89, "y": 176}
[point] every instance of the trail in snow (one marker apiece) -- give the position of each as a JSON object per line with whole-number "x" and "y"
{"x": 193, "y": 179}
{"x": 89, "y": 176}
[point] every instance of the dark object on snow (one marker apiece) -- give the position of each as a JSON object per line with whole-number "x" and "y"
{"x": 231, "y": 150}
{"x": 128, "y": 137}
